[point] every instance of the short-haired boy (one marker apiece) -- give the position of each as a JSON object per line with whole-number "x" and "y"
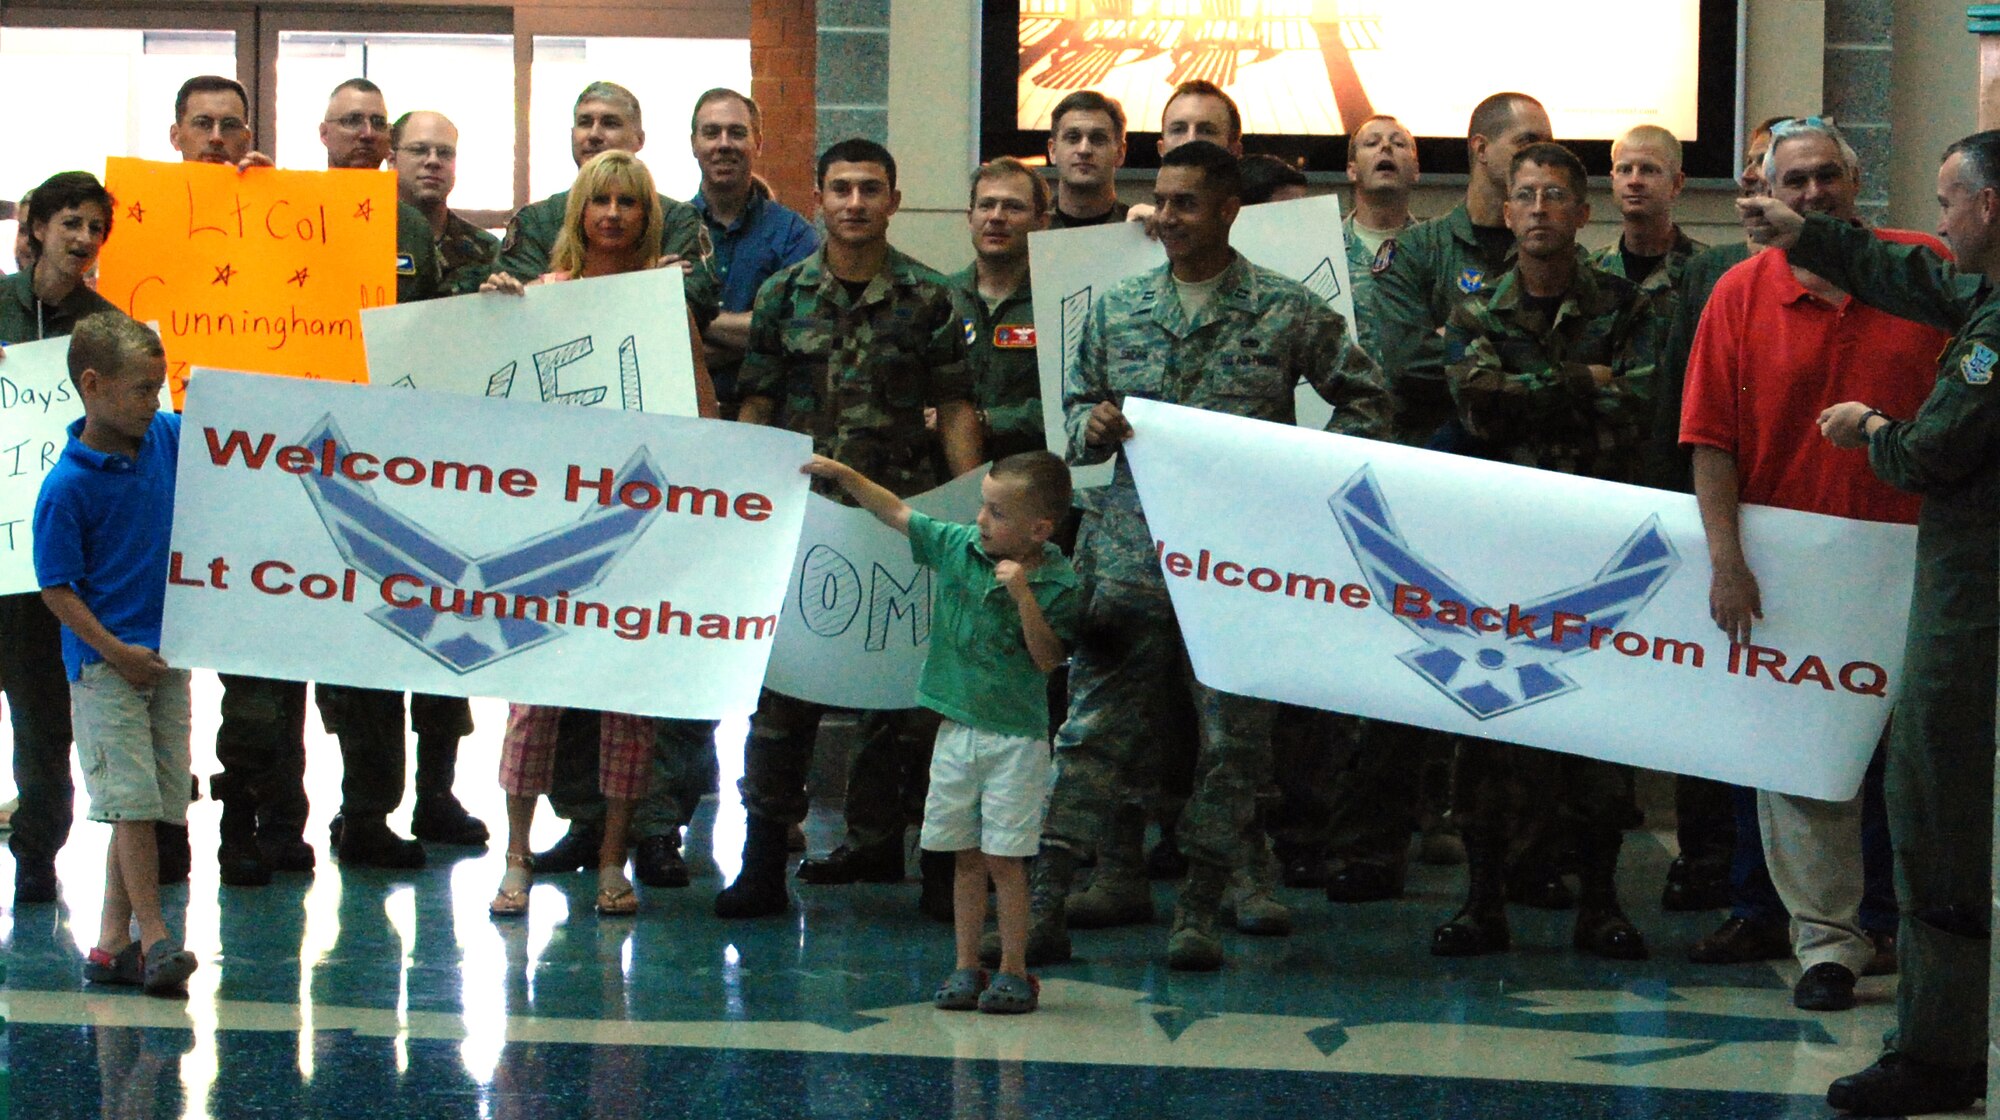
{"x": 102, "y": 523}
{"x": 1004, "y": 607}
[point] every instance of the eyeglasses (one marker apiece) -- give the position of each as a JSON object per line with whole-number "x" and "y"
{"x": 228, "y": 126}
{"x": 1549, "y": 196}
{"x": 444, "y": 152}
{"x": 353, "y": 122}
{"x": 1801, "y": 124}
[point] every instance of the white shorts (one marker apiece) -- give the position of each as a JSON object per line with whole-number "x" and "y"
{"x": 133, "y": 745}
{"x": 989, "y": 791}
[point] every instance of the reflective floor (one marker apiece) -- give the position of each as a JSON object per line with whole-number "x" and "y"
{"x": 361, "y": 993}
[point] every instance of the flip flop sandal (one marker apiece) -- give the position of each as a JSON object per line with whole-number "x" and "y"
{"x": 960, "y": 991}
{"x": 1011, "y": 994}
{"x": 512, "y": 904}
{"x": 617, "y": 902}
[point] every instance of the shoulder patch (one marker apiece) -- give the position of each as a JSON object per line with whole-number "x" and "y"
{"x": 1977, "y": 364}
{"x": 1018, "y": 337}
{"x": 1384, "y": 257}
{"x": 1471, "y": 280}
{"x": 406, "y": 265}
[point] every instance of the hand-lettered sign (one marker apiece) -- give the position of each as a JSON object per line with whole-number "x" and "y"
{"x": 261, "y": 270}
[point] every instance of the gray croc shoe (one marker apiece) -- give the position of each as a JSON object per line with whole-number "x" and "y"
{"x": 125, "y": 968}
{"x": 961, "y": 990}
{"x": 168, "y": 967}
{"x": 1011, "y": 994}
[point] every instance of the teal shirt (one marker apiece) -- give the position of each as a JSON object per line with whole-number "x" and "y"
{"x": 979, "y": 672}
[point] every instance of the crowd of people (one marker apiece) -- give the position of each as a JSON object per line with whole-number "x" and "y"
{"x": 1813, "y": 364}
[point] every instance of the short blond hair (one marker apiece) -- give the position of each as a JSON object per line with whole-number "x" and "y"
{"x": 1655, "y": 135}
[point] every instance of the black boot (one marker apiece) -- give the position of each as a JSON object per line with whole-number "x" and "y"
{"x": 239, "y": 861}
{"x": 1602, "y": 929}
{"x": 759, "y": 892}
{"x": 368, "y": 842}
{"x": 1480, "y": 926}
{"x": 576, "y": 851}
{"x": 657, "y": 861}
{"x": 940, "y": 872}
{"x": 176, "y": 854}
{"x": 438, "y": 816}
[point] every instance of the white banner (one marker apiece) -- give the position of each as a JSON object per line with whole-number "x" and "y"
{"x": 857, "y": 618}
{"x": 467, "y": 547}
{"x": 1487, "y": 599}
{"x": 610, "y": 342}
{"x": 1070, "y": 267}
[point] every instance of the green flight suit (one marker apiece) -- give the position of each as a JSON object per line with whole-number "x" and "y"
{"x": 1940, "y": 761}
{"x": 1006, "y": 379}
{"x": 855, "y": 373}
{"x": 417, "y": 273}
{"x": 1435, "y": 266}
{"x": 531, "y": 238}
{"x": 465, "y": 255}
{"x": 1363, "y": 266}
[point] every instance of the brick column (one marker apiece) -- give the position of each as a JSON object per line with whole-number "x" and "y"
{"x": 784, "y": 69}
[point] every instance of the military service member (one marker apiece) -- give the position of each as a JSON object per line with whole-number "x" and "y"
{"x": 1548, "y": 368}
{"x": 1087, "y": 147}
{"x": 1382, "y": 165}
{"x": 1646, "y": 179}
{"x": 998, "y": 307}
{"x": 1174, "y": 333}
{"x": 861, "y": 316}
{"x": 425, "y": 146}
{"x": 1941, "y": 740}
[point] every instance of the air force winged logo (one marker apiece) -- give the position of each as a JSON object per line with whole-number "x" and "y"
{"x": 1490, "y": 671}
{"x": 380, "y": 542}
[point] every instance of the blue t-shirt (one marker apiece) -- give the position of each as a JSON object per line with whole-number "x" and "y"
{"x": 102, "y": 528}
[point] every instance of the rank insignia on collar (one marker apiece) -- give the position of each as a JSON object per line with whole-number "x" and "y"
{"x": 1016, "y": 337}
{"x": 1978, "y": 363}
{"x": 1471, "y": 280}
{"x": 1384, "y": 257}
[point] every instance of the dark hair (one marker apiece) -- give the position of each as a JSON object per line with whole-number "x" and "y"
{"x": 362, "y": 84}
{"x": 58, "y": 193}
{"x": 1548, "y": 154}
{"x": 1002, "y": 166}
{"x": 1202, "y": 87}
{"x": 1491, "y": 117}
{"x": 720, "y": 92}
{"x": 856, "y": 150}
{"x": 1043, "y": 478}
{"x": 1219, "y": 169}
{"x": 1089, "y": 101}
{"x": 1262, "y": 175}
{"x": 1979, "y": 160}
{"x": 107, "y": 342}
{"x": 208, "y": 83}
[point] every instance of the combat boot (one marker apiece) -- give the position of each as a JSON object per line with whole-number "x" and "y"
{"x": 1602, "y": 929}
{"x": 1119, "y": 893}
{"x": 438, "y": 817}
{"x": 1480, "y": 926}
{"x": 1196, "y": 942}
{"x": 238, "y": 860}
{"x": 1253, "y": 907}
{"x": 1049, "y": 878}
{"x": 759, "y": 891}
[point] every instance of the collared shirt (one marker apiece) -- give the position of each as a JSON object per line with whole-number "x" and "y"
{"x": 102, "y": 523}
{"x": 1437, "y": 264}
{"x": 856, "y": 372}
{"x": 1006, "y": 377}
{"x": 24, "y": 318}
{"x": 465, "y": 255}
{"x": 750, "y": 250}
{"x": 978, "y": 670}
{"x": 1770, "y": 356}
{"x": 1520, "y": 374}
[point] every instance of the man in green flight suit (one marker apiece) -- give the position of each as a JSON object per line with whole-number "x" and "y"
{"x": 998, "y": 308}
{"x": 425, "y": 148}
{"x": 606, "y": 117}
{"x": 1940, "y": 762}
{"x": 1382, "y": 165}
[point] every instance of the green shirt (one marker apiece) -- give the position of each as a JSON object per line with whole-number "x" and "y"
{"x": 531, "y": 239}
{"x": 1363, "y": 266}
{"x": 417, "y": 274}
{"x": 23, "y": 318}
{"x": 1668, "y": 465}
{"x": 978, "y": 671}
{"x": 465, "y": 255}
{"x": 1006, "y": 378}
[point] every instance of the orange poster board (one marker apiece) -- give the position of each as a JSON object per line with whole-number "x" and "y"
{"x": 264, "y": 271}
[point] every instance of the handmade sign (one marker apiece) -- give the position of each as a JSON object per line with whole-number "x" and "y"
{"x": 1533, "y": 607}
{"x": 1069, "y": 268}
{"x": 610, "y": 342}
{"x": 438, "y": 543}
{"x": 857, "y": 618}
{"x": 261, "y": 270}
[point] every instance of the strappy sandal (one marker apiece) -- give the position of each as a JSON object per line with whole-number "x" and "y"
{"x": 512, "y": 904}
{"x": 616, "y": 902}
{"x": 1011, "y": 994}
{"x": 960, "y": 991}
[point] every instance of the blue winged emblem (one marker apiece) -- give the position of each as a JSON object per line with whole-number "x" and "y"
{"x": 1492, "y": 673}
{"x": 379, "y": 542}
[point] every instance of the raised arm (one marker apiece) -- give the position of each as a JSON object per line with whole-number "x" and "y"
{"x": 869, "y": 495}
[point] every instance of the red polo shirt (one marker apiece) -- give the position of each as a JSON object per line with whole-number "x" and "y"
{"x": 1770, "y": 356}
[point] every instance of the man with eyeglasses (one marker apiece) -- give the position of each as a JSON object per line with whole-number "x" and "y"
{"x": 212, "y": 123}
{"x": 425, "y": 146}
{"x": 1550, "y": 366}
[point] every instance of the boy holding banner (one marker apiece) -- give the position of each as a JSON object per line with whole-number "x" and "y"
{"x": 1006, "y": 609}
{"x": 101, "y": 528}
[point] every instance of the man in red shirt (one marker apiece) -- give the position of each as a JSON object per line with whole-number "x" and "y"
{"x": 1776, "y": 346}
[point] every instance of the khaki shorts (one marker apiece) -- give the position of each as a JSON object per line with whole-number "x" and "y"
{"x": 989, "y": 791}
{"x": 133, "y": 744}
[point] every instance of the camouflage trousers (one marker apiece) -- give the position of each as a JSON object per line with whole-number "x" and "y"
{"x": 887, "y": 778}
{"x": 1519, "y": 799}
{"x": 1128, "y": 651}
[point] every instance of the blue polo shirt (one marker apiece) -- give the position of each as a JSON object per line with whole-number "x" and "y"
{"x": 102, "y": 526}
{"x": 766, "y": 237}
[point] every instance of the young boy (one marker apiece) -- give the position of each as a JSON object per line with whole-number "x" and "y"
{"x": 1004, "y": 606}
{"x": 101, "y": 529}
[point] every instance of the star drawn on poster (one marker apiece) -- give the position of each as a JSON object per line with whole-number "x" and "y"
{"x": 136, "y": 212}
{"x": 298, "y": 278}
{"x": 366, "y": 210}
{"x": 224, "y": 274}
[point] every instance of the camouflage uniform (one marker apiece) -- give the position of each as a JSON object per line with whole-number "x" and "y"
{"x": 1940, "y": 761}
{"x": 1006, "y": 379}
{"x": 1363, "y": 266}
{"x": 465, "y": 255}
{"x": 855, "y": 374}
{"x": 531, "y": 237}
{"x": 1524, "y": 396}
{"x": 1242, "y": 353}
